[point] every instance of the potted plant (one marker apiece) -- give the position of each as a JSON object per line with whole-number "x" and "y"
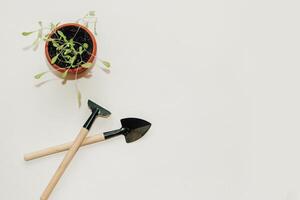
{"x": 70, "y": 48}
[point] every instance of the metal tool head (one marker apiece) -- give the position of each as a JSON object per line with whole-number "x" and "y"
{"x": 102, "y": 112}
{"x": 132, "y": 128}
{"x": 136, "y": 128}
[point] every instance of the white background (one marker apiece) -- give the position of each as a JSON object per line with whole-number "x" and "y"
{"x": 219, "y": 81}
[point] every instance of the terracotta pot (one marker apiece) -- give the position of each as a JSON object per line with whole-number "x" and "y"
{"x": 81, "y": 71}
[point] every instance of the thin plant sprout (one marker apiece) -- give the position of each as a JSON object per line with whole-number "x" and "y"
{"x": 68, "y": 51}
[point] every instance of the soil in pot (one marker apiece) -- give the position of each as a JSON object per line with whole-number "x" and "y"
{"x": 80, "y": 36}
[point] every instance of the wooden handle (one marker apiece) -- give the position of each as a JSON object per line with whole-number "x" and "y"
{"x": 64, "y": 164}
{"x": 63, "y": 147}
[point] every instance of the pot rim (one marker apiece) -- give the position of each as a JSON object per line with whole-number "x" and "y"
{"x": 79, "y": 69}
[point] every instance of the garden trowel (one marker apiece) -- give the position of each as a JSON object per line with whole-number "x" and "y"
{"x": 132, "y": 128}
{"x": 96, "y": 111}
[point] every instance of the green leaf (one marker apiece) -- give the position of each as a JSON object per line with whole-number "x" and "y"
{"x": 71, "y": 41}
{"x": 38, "y": 76}
{"x": 53, "y": 60}
{"x": 62, "y": 35}
{"x": 85, "y": 45}
{"x": 64, "y": 75}
{"x": 106, "y": 64}
{"x": 87, "y": 65}
{"x": 27, "y": 33}
{"x": 67, "y": 51}
{"x": 60, "y": 47}
{"x": 54, "y": 43}
{"x": 106, "y": 70}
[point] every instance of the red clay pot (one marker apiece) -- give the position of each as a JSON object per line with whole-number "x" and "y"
{"x": 81, "y": 71}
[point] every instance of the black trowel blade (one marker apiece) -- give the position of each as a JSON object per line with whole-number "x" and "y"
{"x": 137, "y": 128}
